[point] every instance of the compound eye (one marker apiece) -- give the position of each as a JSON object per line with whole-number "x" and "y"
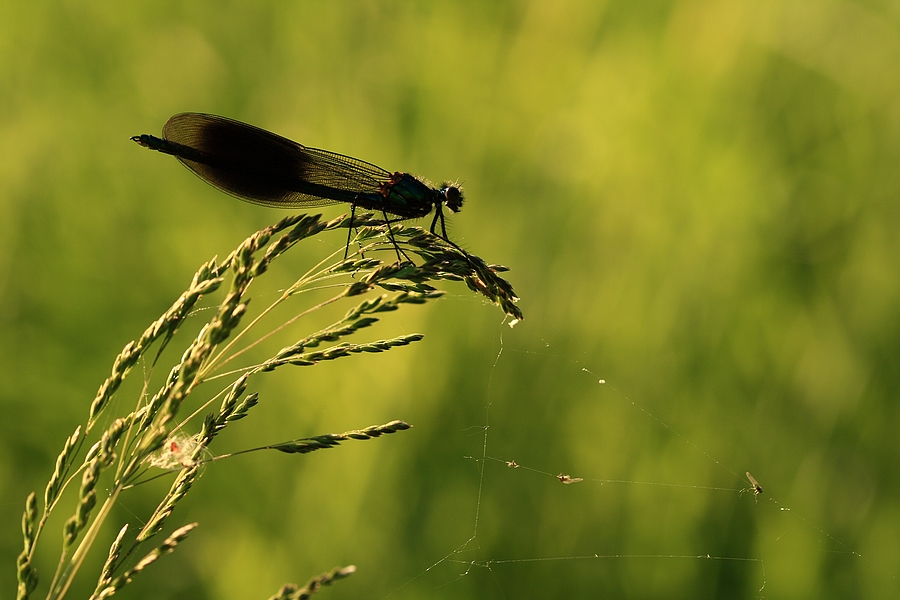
{"x": 453, "y": 197}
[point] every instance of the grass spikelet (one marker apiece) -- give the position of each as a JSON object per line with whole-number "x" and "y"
{"x": 165, "y": 548}
{"x": 149, "y": 437}
{"x": 291, "y": 592}
{"x": 59, "y": 473}
{"x": 330, "y": 440}
{"x": 26, "y": 574}
{"x": 112, "y": 559}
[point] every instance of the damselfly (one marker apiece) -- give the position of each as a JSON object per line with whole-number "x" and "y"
{"x": 261, "y": 167}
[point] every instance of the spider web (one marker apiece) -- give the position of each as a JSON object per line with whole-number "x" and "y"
{"x": 772, "y": 523}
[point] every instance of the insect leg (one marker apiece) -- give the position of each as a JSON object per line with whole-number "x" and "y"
{"x": 387, "y": 223}
{"x": 349, "y": 230}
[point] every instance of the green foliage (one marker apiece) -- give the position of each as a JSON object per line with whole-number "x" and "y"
{"x": 699, "y": 201}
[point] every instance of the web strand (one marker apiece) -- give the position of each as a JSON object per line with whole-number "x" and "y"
{"x": 750, "y": 487}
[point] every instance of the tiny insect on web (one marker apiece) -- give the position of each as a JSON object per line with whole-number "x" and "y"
{"x": 263, "y": 168}
{"x": 757, "y": 489}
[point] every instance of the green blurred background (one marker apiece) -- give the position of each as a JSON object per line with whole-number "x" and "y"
{"x": 699, "y": 204}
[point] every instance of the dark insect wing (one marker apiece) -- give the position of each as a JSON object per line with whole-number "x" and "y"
{"x": 343, "y": 172}
{"x": 264, "y": 168}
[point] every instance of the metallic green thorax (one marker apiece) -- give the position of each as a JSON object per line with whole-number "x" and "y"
{"x": 404, "y": 196}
